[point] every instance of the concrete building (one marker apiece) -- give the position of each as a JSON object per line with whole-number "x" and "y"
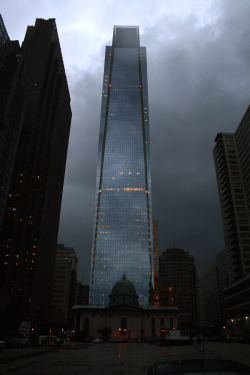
{"x": 81, "y": 294}
{"x": 178, "y": 284}
{"x": 68, "y": 254}
{"x": 210, "y": 304}
{"x": 211, "y": 285}
{"x": 29, "y": 233}
{"x": 64, "y": 284}
{"x": 232, "y": 166}
{"x": 237, "y": 306}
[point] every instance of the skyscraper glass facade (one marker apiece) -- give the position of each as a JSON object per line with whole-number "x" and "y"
{"x": 122, "y": 235}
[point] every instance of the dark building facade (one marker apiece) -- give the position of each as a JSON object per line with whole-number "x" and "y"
{"x": 122, "y": 233}
{"x": 211, "y": 285}
{"x": 29, "y": 234}
{"x": 232, "y": 166}
{"x": 82, "y": 294}
{"x": 64, "y": 285}
{"x": 156, "y": 261}
{"x": 178, "y": 284}
{"x": 11, "y": 108}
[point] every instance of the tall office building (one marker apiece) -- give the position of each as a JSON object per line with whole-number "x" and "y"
{"x": 122, "y": 235}
{"x": 211, "y": 285}
{"x": 29, "y": 234}
{"x": 178, "y": 284}
{"x": 232, "y": 166}
{"x": 64, "y": 284}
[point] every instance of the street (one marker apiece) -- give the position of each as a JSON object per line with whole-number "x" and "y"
{"x": 109, "y": 359}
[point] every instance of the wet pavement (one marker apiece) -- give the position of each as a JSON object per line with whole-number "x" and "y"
{"x": 110, "y": 359}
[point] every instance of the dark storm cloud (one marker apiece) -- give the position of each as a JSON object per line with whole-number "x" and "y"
{"x": 199, "y": 79}
{"x": 198, "y": 86}
{"x": 79, "y": 187}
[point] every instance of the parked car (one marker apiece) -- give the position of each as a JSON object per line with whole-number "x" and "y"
{"x": 232, "y": 338}
{"x": 245, "y": 339}
{"x": 47, "y": 340}
{"x": 97, "y": 340}
{"x": 13, "y": 342}
{"x": 217, "y": 338}
{"x": 26, "y": 340}
{"x": 113, "y": 340}
{"x": 199, "y": 339}
{"x": 2, "y": 345}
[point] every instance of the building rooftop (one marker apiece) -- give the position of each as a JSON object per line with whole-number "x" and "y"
{"x": 126, "y": 37}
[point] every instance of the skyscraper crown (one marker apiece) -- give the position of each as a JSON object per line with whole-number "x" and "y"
{"x": 126, "y": 37}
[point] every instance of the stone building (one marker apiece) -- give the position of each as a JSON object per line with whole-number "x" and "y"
{"x": 124, "y": 316}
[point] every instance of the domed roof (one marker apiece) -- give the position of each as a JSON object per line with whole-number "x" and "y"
{"x": 123, "y": 292}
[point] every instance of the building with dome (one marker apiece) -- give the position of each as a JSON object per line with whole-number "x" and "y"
{"x": 123, "y": 292}
{"x": 126, "y": 319}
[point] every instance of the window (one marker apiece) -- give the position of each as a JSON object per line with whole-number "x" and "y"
{"x": 123, "y": 326}
{"x": 162, "y": 323}
{"x": 153, "y": 326}
{"x": 171, "y": 323}
{"x": 86, "y": 326}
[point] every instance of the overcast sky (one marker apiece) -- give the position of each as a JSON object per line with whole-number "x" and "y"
{"x": 199, "y": 85}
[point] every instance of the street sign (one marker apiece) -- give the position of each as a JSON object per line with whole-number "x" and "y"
{"x": 24, "y": 328}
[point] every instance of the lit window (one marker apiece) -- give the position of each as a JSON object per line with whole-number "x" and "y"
{"x": 133, "y": 189}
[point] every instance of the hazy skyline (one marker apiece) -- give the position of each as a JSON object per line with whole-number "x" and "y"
{"x": 199, "y": 77}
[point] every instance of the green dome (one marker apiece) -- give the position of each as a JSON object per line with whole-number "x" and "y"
{"x": 123, "y": 292}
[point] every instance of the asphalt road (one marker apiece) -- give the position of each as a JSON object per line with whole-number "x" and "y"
{"x": 110, "y": 359}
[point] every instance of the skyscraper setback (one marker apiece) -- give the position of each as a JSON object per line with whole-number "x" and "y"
{"x": 122, "y": 235}
{"x": 29, "y": 235}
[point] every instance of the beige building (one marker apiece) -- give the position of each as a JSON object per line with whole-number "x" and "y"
{"x": 126, "y": 319}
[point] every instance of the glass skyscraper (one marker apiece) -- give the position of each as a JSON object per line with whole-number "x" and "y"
{"x": 122, "y": 235}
